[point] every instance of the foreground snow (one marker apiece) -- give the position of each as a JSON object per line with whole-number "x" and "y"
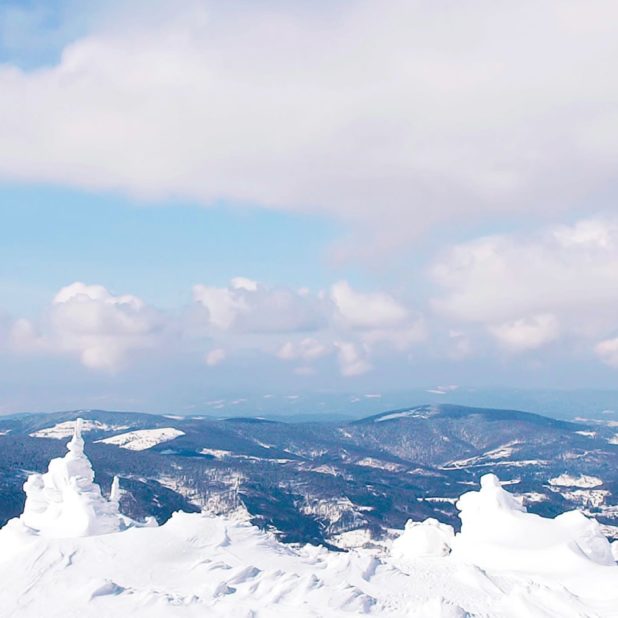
{"x": 504, "y": 563}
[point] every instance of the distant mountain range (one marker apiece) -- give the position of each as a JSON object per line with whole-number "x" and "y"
{"x": 334, "y": 483}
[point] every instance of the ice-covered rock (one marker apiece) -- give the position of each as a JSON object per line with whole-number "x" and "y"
{"x": 65, "y": 501}
{"x": 421, "y": 539}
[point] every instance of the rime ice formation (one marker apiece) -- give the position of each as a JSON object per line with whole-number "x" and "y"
{"x": 497, "y": 532}
{"x": 505, "y": 563}
{"x": 65, "y": 501}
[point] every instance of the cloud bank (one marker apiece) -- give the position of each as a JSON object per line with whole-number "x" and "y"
{"x": 510, "y": 294}
{"x": 390, "y": 116}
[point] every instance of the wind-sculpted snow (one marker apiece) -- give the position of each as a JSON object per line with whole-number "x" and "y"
{"x": 498, "y": 533}
{"x": 65, "y": 501}
{"x": 504, "y": 563}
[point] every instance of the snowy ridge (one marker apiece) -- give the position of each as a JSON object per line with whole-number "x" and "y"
{"x": 65, "y": 429}
{"x": 505, "y": 562}
{"x": 421, "y": 412}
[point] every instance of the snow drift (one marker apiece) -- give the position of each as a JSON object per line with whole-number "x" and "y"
{"x": 72, "y": 553}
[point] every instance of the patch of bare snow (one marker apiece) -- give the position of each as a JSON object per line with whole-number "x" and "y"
{"x": 587, "y": 434}
{"x": 415, "y": 413}
{"x": 143, "y": 439}
{"x": 583, "y": 480}
{"x": 372, "y": 462}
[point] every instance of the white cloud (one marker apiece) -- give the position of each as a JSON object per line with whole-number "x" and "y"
{"x": 215, "y": 357}
{"x": 223, "y": 304}
{"x": 495, "y": 109}
{"x": 247, "y": 307}
{"x": 277, "y": 321}
{"x": 567, "y": 271}
{"x": 459, "y": 345}
{"x": 607, "y": 351}
{"x": 301, "y": 327}
{"x": 353, "y": 358}
{"x": 307, "y": 350}
{"x": 373, "y": 310}
{"x": 528, "y": 333}
{"x": 102, "y": 329}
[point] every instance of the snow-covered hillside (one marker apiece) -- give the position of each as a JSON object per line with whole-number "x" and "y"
{"x": 143, "y": 439}
{"x": 72, "y": 554}
{"x": 65, "y": 429}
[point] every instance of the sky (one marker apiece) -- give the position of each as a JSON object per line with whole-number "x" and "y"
{"x": 204, "y": 201}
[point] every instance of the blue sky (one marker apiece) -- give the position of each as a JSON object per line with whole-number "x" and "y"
{"x": 52, "y": 236}
{"x": 212, "y": 200}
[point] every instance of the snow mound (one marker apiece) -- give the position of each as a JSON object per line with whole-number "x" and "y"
{"x": 143, "y": 439}
{"x": 65, "y": 501}
{"x": 498, "y": 533}
{"x": 419, "y": 539}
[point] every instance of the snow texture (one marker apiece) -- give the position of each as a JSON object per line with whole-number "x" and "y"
{"x": 70, "y": 555}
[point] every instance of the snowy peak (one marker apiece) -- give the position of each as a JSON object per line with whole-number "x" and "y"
{"x": 65, "y": 501}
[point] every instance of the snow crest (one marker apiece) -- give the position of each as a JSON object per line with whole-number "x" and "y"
{"x": 66, "y": 502}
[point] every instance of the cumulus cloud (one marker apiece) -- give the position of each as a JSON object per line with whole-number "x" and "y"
{"x": 350, "y": 325}
{"x": 307, "y": 349}
{"x": 101, "y": 328}
{"x": 276, "y": 105}
{"x": 607, "y": 351}
{"x": 299, "y": 327}
{"x": 248, "y": 307}
{"x": 353, "y": 358}
{"x": 527, "y": 334}
{"x": 215, "y": 357}
{"x": 569, "y": 271}
{"x": 367, "y": 310}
